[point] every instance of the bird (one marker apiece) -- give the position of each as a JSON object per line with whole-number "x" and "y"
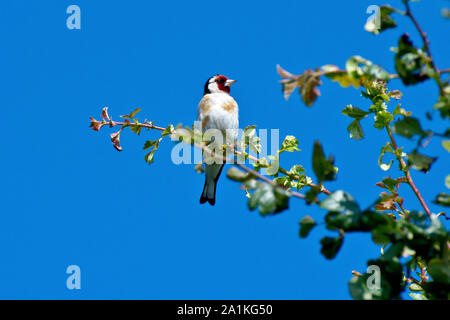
{"x": 217, "y": 110}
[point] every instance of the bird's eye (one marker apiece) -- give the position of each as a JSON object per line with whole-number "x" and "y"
{"x": 221, "y": 80}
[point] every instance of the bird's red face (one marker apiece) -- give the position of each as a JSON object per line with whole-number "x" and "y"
{"x": 217, "y": 84}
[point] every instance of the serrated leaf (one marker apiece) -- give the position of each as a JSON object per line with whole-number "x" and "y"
{"x": 420, "y": 162}
{"x": 354, "y": 112}
{"x": 408, "y": 127}
{"x": 290, "y": 144}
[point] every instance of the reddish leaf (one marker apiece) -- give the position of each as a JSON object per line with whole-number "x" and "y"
{"x": 115, "y": 139}
{"x": 96, "y": 125}
{"x": 105, "y": 113}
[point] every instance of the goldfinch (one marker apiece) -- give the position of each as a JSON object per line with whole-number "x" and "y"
{"x": 217, "y": 110}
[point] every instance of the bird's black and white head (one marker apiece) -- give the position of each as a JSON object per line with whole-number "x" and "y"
{"x": 218, "y": 83}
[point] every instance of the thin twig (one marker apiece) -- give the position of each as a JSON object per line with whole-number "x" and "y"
{"x": 408, "y": 176}
{"x": 425, "y": 40}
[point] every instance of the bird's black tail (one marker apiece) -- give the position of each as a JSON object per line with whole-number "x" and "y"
{"x": 209, "y": 189}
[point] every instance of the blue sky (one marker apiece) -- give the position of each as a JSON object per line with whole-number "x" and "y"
{"x": 137, "y": 231}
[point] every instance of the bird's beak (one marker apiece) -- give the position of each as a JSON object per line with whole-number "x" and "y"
{"x": 229, "y": 82}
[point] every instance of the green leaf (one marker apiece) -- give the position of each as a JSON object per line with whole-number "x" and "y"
{"x": 415, "y": 287}
{"x": 440, "y": 270}
{"x": 169, "y": 130}
{"x": 136, "y": 129}
{"x": 150, "y": 144}
{"x": 268, "y": 199}
{"x": 443, "y": 104}
{"x": 384, "y": 21}
{"x": 359, "y": 290}
{"x": 250, "y": 139}
{"x": 446, "y": 145}
{"x": 274, "y": 167}
{"x": 238, "y": 175}
{"x": 391, "y": 282}
{"x": 420, "y": 162}
{"x": 323, "y": 167}
{"x": 306, "y": 225}
{"x": 149, "y": 157}
{"x": 132, "y": 114}
{"x": 340, "y": 201}
{"x": 298, "y": 169}
{"x": 344, "y": 79}
{"x": 443, "y": 199}
{"x": 289, "y": 144}
{"x": 400, "y": 111}
{"x": 359, "y": 67}
{"x": 409, "y": 62}
{"x": 355, "y": 130}
{"x": 447, "y": 181}
{"x": 408, "y": 127}
{"x": 311, "y": 196}
{"x": 391, "y": 184}
{"x": 385, "y": 149}
{"x": 354, "y": 112}
{"x": 330, "y": 246}
{"x": 417, "y": 296}
{"x": 154, "y": 145}
{"x": 382, "y": 119}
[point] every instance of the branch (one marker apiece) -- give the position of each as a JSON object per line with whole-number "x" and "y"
{"x": 391, "y": 75}
{"x": 405, "y": 170}
{"x": 97, "y": 125}
{"x": 425, "y": 40}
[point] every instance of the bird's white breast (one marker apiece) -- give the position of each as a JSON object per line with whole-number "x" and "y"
{"x": 219, "y": 111}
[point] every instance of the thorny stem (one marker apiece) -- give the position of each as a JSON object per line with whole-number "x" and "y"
{"x": 145, "y": 125}
{"x": 408, "y": 176}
